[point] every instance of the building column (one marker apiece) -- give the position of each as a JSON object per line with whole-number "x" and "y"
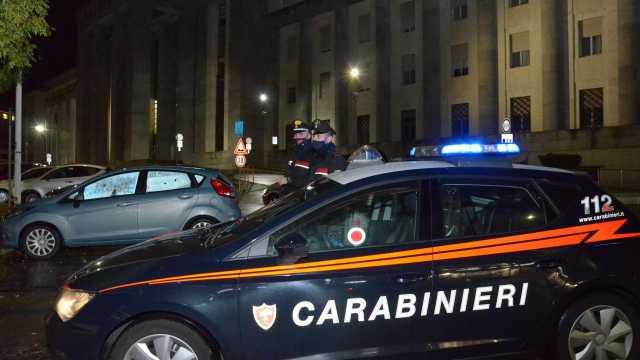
{"x": 138, "y": 111}
{"x": 165, "y": 136}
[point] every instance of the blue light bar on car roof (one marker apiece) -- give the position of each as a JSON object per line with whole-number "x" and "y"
{"x": 474, "y": 148}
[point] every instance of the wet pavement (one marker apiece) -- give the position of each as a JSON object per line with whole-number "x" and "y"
{"x": 28, "y": 288}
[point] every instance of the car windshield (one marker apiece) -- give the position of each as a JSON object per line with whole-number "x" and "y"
{"x": 35, "y": 173}
{"x": 226, "y": 233}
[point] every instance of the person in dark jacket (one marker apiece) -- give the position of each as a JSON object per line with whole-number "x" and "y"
{"x": 326, "y": 159}
{"x": 298, "y": 171}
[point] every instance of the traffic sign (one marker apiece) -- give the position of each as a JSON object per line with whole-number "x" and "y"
{"x": 240, "y": 149}
{"x": 241, "y": 160}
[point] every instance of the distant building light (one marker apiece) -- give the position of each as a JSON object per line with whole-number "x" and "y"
{"x": 274, "y": 140}
{"x": 5, "y": 116}
{"x": 40, "y": 128}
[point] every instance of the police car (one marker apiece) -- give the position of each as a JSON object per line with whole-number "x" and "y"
{"x": 424, "y": 259}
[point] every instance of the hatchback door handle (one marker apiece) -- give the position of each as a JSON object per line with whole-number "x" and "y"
{"x": 125, "y": 204}
{"x": 548, "y": 264}
{"x": 185, "y": 196}
{"x": 412, "y": 278}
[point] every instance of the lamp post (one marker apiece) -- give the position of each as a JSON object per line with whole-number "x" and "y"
{"x": 43, "y": 131}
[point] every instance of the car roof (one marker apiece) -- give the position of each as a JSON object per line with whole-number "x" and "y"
{"x": 352, "y": 175}
{"x": 167, "y": 167}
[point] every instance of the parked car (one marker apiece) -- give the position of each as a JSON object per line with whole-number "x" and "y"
{"x": 32, "y": 173}
{"x": 36, "y": 188}
{"x": 121, "y": 207}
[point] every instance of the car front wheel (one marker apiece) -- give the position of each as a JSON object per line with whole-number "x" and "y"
{"x": 600, "y": 327}
{"x": 31, "y": 197}
{"x": 41, "y": 241}
{"x": 4, "y": 196}
{"x": 161, "y": 339}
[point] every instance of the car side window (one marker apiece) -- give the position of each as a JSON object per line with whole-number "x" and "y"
{"x": 480, "y": 209}
{"x": 370, "y": 219}
{"x": 61, "y": 173}
{"x": 80, "y": 171}
{"x": 167, "y": 180}
{"x": 116, "y": 185}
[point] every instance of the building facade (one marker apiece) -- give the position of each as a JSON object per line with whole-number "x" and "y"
{"x": 563, "y": 71}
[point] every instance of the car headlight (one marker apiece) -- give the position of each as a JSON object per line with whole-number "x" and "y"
{"x": 71, "y": 301}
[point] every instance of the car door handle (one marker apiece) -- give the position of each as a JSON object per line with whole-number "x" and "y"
{"x": 412, "y": 278}
{"x": 185, "y": 196}
{"x": 548, "y": 264}
{"x": 125, "y": 204}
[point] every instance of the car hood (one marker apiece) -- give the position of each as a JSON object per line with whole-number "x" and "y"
{"x": 145, "y": 260}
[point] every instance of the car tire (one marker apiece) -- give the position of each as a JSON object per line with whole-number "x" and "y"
{"x": 176, "y": 336}
{"x": 4, "y": 196}
{"x": 201, "y": 223}
{"x": 600, "y": 323}
{"x": 31, "y": 197}
{"x": 41, "y": 241}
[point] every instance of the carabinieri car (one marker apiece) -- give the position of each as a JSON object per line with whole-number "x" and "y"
{"x": 431, "y": 259}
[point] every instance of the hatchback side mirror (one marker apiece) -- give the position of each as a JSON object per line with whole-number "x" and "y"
{"x": 78, "y": 198}
{"x": 292, "y": 248}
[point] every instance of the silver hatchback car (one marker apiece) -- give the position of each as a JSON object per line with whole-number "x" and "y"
{"x": 121, "y": 207}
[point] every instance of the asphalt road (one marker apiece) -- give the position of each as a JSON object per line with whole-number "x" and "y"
{"x": 28, "y": 289}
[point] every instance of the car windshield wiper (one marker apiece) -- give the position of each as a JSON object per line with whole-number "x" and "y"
{"x": 212, "y": 232}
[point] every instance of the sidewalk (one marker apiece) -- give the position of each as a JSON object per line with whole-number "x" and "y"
{"x": 250, "y": 200}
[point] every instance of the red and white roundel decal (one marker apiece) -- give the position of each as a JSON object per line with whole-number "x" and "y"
{"x": 356, "y": 236}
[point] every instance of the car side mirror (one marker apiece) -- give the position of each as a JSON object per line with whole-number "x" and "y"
{"x": 292, "y": 248}
{"x": 78, "y": 198}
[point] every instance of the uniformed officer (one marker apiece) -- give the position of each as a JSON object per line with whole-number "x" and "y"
{"x": 326, "y": 159}
{"x": 299, "y": 164}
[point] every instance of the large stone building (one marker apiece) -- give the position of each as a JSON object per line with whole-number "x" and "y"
{"x": 564, "y": 71}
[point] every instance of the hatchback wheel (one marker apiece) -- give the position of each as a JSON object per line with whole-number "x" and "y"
{"x": 602, "y": 327}
{"x": 41, "y": 241}
{"x": 201, "y": 223}
{"x": 161, "y": 339}
{"x": 31, "y": 197}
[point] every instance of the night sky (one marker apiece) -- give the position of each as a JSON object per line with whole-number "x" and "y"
{"x": 54, "y": 54}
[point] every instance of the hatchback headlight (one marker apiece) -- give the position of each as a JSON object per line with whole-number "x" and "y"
{"x": 71, "y": 301}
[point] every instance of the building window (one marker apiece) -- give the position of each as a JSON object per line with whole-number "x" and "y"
{"x": 325, "y": 38}
{"x": 591, "y": 108}
{"x": 408, "y": 130}
{"x": 291, "y": 92}
{"x": 408, "y": 69}
{"x": 460, "y": 120}
{"x": 460, "y": 60}
{"x": 459, "y": 10}
{"x": 520, "y": 49}
{"x": 325, "y": 81}
{"x": 364, "y": 28}
{"x": 514, "y": 3}
{"x": 408, "y": 16}
{"x": 590, "y": 37}
{"x": 521, "y": 113}
{"x": 292, "y": 48}
{"x": 363, "y": 129}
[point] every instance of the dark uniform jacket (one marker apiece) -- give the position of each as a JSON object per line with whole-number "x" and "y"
{"x": 300, "y": 165}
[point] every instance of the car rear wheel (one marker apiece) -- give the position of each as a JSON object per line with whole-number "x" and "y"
{"x": 41, "y": 241}
{"x": 601, "y": 327}
{"x": 161, "y": 339}
{"x": 201, "y": 223}
{"x": 31, "y": 197}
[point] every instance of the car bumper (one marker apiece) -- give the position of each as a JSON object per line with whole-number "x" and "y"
{"x": 66, "y": 341}
{"x": 8, "y": 235}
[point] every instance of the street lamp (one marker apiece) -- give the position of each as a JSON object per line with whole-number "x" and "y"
{"x": 263, "y": 98}
{"x": 40, "y": 128}
{"x": 354, "y": 73}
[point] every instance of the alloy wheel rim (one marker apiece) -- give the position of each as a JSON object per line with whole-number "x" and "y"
{"x": 40, "y": 242}
{"x": 201, "y": 225}
{"x": 160, "y": 347}
{"x": 4, "y": 196}
{"x": 601, "y": 333}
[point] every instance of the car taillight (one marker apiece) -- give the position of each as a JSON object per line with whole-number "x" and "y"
{"x": 223, "y": 189}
